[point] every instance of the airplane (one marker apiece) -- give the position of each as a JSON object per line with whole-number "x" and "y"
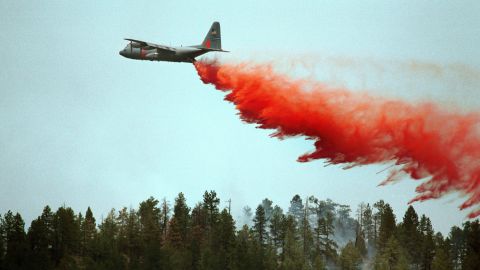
{"x": 142, "y": 50}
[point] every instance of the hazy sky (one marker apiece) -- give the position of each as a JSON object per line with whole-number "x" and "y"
{"x": 83, "y": 126}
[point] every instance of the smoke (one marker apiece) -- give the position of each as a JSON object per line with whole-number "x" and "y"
{"x": 424, "y": 140}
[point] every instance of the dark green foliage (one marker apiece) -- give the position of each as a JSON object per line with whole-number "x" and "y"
{"x": 276, "y": 227}
{"x": 40, "y": 241}
{"x": 260, "y": 225}
{"x": 210, "y": 203}
{"x": 292, "y": 254}
{"x": 324, "y": 233}
{"x": 360, "y": 245}
{"x": 2, "y": 241}
{"x": 392, "y": 256}
{"x": 129, "y": 239}
{"x": 368, "y": 227}
{"x": 66, "y": 236}
{"x": 457, "y": 243}
{"x": 471, "y": 232}
{"x": 324, "y": 228}
{"x": 178, "y": 235}
{"x": 411, "y": 236}
{"x": 377, "y": 220}
{"x": 427, "y": 244}
{"x": 179, "y": 224}
{"x": 199, "y": 217}
{"x": 387, "y": 226}
{"x": 226, "y": 233}
{"x": 151, "y": 233}
{"x": 243, "y": 250}
{"x": 15, "y": 241}
{"x": 350, "y": 258}
{"x": 205, "y": 237}
{"x": 88, "y": 231}
{"x": 105, "y": 250}
{"x": 441, "y": 260}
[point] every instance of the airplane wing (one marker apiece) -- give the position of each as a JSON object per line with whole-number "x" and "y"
{"x": 153, "y": 45}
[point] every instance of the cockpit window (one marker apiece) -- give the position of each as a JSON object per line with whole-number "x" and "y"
{"x": 136, "y": 45}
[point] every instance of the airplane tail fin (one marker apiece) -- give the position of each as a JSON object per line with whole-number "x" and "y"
{"x": 213, "y": 39}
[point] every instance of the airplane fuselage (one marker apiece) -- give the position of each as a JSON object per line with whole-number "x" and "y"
{"x": 141, "y": 50}
{"x": 181, "y": 54}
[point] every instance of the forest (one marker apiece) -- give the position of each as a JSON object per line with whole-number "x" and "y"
{"x": 310, "y": 234}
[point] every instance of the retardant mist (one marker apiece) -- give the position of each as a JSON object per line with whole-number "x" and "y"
{"x": 424, "y": 140}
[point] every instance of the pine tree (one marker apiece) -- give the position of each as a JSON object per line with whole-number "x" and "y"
{"x": 368, "y": 227}
{"x": 457, "y": 246}
{"x": 2, "y": 241}
{"x": 292, "y": 255}
{"x": 123, "y": 241}
{"x": 324, "y": 233}
{"x": 296, "y": 208}
{"x": 427, "y": 247}
{"x": 15, "y": 238}
{"x": 345, "y": 226}
{"x": 324, "y": 245}
{"x": 377, "y": 219}
{"x": 207, "y": 239}
{"x": 350, "y": 258}
{"x": 151, "y": 232}
{"x": 276, "y": 227}
{"x": 129, "y": 238}
{"x": 387, "y": 226}
{"x": 471, "y": 231}
{"x": 210, "y": 203}
{"x": 260, "y": 225}
{"x": 41, "y": 240}
{"x": 360, "y": 244}
{"x": 441, "y": 260}
{"x": 178, "y": 235}
{"x": 47, "y": 219}
{"x": 39, "y": 244}
{"x": 318, "y": 263}
{"x": 66, "y": 236}
{"x": 360, "y": 210}
{"x": 391, "y": 256}
{"x": 199, "y": 225}
{"x": 287, "y": 225}
{"x": 227, "y": 241}
{"x": 165, "y": 217}
{"x": 209, "y": 258}
{"x": 105, "y": 250}
{"x": 180, "y": 223}
{"x": 243, "y": 253}
{"x": 410, "y": 235}
{"x": 88, "y": 230}
{"x": 306, "y": 236}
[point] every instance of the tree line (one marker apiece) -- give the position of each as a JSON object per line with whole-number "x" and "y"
{"x": 310, "y": 234}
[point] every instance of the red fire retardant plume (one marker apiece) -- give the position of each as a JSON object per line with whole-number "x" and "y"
{"x": 357, "y": 129}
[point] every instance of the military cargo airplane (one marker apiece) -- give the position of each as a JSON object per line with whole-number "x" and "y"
{"x": 142, "y": 50}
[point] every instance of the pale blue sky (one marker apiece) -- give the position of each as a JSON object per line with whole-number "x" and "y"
{"x": 83, "y": 126}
